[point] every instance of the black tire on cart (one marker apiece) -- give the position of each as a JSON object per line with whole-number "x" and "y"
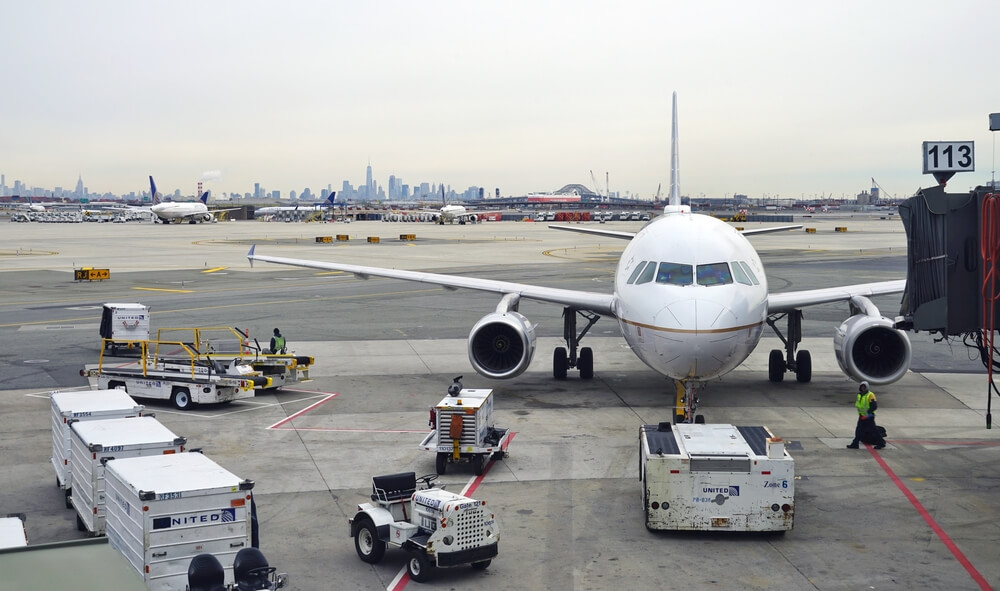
{"x": 370, "y": 549}
{"x": 479, "y": 464}
{"x": 181, "y": 397}
{"x": 418, "y": 565}
{"x": 481, "y": 565}
{"x": 69, "y": 500}
{"x": 441, "y": 462}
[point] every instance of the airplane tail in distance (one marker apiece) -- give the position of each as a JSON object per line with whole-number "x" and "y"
{"x": 152, "y": 191}
{"x": 443, "y": 200}
{"x": 332, "y": 199}
{"x": 204, "y": 198}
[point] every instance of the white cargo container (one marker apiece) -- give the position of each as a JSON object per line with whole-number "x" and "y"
{"x": 88, "y": 405}
{"x": 96, "y": 442}
{"x": 12, "y": 532}
{"x": 125, "y": 325}
{"x": 463, "y": 429}
{"x": 163, "y": 511}
{"x": 715, "y": 478}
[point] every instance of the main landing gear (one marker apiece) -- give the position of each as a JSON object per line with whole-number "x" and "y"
{"x": 563, "y": 360}
{"x": 778, "y": 363}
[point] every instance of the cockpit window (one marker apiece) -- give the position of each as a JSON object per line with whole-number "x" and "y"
{"x": 635, "y": 274}
{"x": 714, "y": 274}
{"x": 746, "y": 267}
{"x": 739, "y": 274}
{"x": 647, "y": 274}
{"x": 674, "y": 274}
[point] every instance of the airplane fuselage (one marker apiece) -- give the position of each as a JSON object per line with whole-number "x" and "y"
{"x": 176, "y": 211}
{"x": 690, "y": 296}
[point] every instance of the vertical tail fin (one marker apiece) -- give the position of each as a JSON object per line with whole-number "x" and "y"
{"x": 443, "y": 200}
{"x": 152, "y": 191}
{"x": 675, "y": 178}
{"x": 332, "y": 199}
{"x": 204, "y": 198}
{"x": 674, "y": 202}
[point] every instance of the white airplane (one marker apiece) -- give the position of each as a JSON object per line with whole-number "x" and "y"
{"x": 452, "y": 213}
{"x": 330, "y": 202}
{"x": 171, "y": 211}
{"x": 691, "y": 299}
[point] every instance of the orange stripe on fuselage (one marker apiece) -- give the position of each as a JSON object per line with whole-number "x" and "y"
{"x": 691, "y": 331}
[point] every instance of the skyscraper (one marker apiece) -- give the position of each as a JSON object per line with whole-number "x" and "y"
{"x": 79, "y": 187}
{"x": 369, "y": 184}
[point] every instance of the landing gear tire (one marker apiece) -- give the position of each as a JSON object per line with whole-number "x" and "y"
{"x": 181, "y": 398}
{"x": 586, "y": 363}
{"x": 441, "y": 463}
{"x": 560, "y": 363}
{"x": 776, "y": 366}
{"x": 370, "y": 549}
{"x": 419, "y": 566}
{"x": 803, "y": 366}
{"x": 478, "y": 464}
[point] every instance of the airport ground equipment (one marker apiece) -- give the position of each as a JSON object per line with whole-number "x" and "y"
{"x": 86, "y": 405}
{"x": 715, "y": 477}
{"x": 94, "y": 443}
{"x": 88, "y": 564}
{"x": 436, "y": 527}
{"x": 162, "y": 511}
{"x": 124, "y": 326}
{"x": 232, "y": 344}
{"x": 463, "y": 430}
{"x": 171, "y": 370}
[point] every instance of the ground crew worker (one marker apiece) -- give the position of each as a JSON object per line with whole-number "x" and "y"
{"x": 866, "y": 431}
{"x": 277, "y": 342}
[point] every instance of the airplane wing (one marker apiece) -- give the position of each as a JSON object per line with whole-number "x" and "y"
{"x": 599, "y": 303}
{"x": 630, "y": 235}
{"x": 791, "y": 300}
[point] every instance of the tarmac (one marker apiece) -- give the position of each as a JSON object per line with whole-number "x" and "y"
{"x": 919, "y": 514}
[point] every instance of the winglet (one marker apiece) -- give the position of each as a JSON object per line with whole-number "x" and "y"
{"x": 250, "y": 255}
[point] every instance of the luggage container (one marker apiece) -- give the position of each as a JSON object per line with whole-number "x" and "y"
{"x": 87, "y": 405}
{"x": 96, "y": 442}
{"x": 164, "y": 510}
{"x": 12, "y": 532}
{"x": 124, "y": 326}
{"x": 715, "y": 477}
{"x": 463, "y": 429}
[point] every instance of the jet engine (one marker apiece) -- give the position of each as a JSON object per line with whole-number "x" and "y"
{"x": 501, "y": 345}
{"x": 206, "y": 217}
{"x": 869, "y": 348}
{"x": 473, "y": 218}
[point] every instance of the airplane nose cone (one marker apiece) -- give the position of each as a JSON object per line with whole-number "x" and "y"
{"x": 695, "y": 316}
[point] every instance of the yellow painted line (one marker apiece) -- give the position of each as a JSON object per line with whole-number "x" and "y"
{"x": 161, "y": 289}
{"x": 214, "y": 270}
{"x": 330, "y": 273}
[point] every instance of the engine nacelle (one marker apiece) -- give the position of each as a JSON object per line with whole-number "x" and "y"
{"x": 206, "y": 217}
{"x": 868, "y": 348}
{"x": 473, "y": 218}
{"x": 501, "y": 345}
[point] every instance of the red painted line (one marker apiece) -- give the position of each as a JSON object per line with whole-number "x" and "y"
{"x": 945, "y": 539}
{"x": 302, "y": 412}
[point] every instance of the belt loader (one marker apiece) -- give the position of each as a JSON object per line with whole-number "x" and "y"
{"x": 715, "y": 477}
{"x": 436, "y": 527}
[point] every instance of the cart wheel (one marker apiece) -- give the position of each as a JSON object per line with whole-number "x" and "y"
{"x": 418, "y": 566}
{"x": 181, "y": 398}
{"x": 478, "y": 464}
{"x": 481, "y": 565}
{"x": 69, "y": 501}
{"x": 441, "y": 462}
{"x": 370, "y": 548}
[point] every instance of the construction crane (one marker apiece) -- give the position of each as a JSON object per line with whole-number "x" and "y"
{"x": 597, "y": 187}
{"x": 883, "y": 194}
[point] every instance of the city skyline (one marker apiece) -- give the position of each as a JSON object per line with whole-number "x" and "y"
{"x": 784, "y": 98}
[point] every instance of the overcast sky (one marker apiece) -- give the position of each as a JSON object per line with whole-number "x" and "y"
{"x": 785, "y": 98}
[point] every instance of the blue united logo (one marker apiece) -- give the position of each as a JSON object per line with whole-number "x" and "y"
{"x": 734, "y": 491}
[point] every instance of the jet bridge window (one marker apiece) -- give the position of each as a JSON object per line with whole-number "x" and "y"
{"x": 714, "y": 274}
{"x": 674, "y": 274}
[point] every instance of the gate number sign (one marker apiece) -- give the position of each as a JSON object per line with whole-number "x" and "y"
{"x": 949, "y": 157}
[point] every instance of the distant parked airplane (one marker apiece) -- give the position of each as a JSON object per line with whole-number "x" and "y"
{"x": 171, "y": 211}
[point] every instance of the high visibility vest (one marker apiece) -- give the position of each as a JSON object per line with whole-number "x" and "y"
{"x": 864, "y": 402}
{"x": 279, "y": 343}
